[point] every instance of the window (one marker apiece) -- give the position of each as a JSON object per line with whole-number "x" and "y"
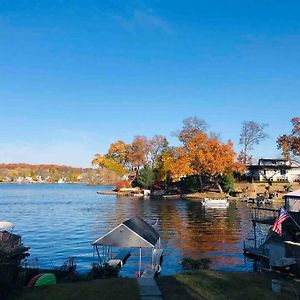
{"x": 282, "y": 172}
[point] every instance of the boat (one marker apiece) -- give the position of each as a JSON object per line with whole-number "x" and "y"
{"x": 12, "y": 249}
{"x": 215, "y": 203}
{"x": 12, "y": 252}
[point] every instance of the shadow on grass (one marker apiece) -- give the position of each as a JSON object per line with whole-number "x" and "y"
{"x": 175, "y": 290}
{"x": 104, "y": 289}
{"x": 223, "y": 285}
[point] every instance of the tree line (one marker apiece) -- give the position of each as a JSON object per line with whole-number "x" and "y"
{"x": 51, "y": 173}
{"x": 200, "y": 155}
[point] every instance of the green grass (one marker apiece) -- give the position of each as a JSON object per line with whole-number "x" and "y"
{"x": 223, "y": 285}
{"x": 106, "y": 289}
{"x": 184, "y": 286}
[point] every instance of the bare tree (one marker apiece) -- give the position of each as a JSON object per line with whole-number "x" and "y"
{"x": 191, "y": 127}
{"x": 252, "y": 134}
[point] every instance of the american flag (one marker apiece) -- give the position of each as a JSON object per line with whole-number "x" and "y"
{"x": 283, "y": 215}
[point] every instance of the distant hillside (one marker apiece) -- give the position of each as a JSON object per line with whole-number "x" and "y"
{"x": 49, "y": 173}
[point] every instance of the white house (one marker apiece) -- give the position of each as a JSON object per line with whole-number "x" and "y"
{"x": 275, "y": 170}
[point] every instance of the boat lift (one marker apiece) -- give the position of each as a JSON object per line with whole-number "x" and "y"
{"x": 133, "y": 233}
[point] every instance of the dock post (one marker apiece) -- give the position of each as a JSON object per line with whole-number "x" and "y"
{"x": 140, "y": 263}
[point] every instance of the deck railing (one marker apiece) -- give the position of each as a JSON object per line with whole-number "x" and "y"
{"x": 264, "y": 215}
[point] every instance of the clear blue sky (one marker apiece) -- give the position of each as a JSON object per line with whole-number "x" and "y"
{"x": 77, "y": 75}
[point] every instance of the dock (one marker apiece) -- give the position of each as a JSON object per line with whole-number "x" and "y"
{"x": 149, "y": 289}
{"x": 255, "y": 253}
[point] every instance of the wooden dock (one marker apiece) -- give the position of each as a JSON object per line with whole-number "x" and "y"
{"x": 149, "y": 289}
{"x": 255, "y": 253}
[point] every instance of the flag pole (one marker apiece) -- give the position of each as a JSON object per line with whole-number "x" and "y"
{"x": 293, "y": 220}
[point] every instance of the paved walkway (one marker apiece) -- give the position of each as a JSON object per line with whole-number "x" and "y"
{"x": 149, "y": 289}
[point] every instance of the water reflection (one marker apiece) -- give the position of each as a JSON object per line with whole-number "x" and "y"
{"x": 58, "y": 221}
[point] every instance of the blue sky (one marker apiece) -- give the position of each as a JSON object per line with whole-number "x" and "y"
{"x": 78, "y": 75}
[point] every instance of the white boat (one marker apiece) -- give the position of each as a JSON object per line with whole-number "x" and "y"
{"x": 215, "y": 203}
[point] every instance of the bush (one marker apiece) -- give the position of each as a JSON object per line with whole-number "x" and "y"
{"x": 145, "y": 178}
{"x": 227, "y": 183}
{"x": 190, "y": 184}
{"x": 123, "y": 184}
{"x": 103, "y": 271}
{"x": 189, "y": 264}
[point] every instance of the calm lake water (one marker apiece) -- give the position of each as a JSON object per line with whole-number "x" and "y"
{"x": 60, "y": 221}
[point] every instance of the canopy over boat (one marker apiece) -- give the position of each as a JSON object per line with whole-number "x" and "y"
{"x": 292, "y": 201}
{"x": 133, "y": 233}
{"x": 5, "y": 225}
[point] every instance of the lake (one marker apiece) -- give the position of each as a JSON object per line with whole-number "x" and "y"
{"x": 61, "y": 220}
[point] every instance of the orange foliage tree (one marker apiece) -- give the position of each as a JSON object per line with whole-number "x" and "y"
{"x": 202, "y": 155}
{"x": 139, "y": 152}
{"x": 290, "y": 144}
{"x": 208, "y": 156}
{"x": 118, "y": 151}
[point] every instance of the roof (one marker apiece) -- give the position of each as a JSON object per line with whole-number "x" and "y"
{"x": 274, "y": 164}
{"x": 134, "y": 232}
{"x": 143, "y": 229}
{"x": 272, "y": 159}
{"x": 295, "y": 194}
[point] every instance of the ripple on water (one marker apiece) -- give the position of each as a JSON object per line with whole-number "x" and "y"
{"x": 59, "y": 221}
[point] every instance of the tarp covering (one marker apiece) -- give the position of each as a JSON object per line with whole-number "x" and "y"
{"x": 292, "y": 202}
{"x": 293, "y": 194}
{"x": 132, "y": 233}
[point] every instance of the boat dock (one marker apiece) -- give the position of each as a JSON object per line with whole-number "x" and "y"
{"x": 149, "y": 289}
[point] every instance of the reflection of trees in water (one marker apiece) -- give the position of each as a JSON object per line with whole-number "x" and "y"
{"x": 202, "y": 232}
{"x": 187, "y": 226}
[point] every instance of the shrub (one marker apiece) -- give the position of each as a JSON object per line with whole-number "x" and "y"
{"x": 227, "y": 183}
{"x": 146, "y": 178}
{"x": 189, "y": 264}
{"x": 123, "y": 184}
{"x": 103, "y": 271}
{"x": 190, "y": 184}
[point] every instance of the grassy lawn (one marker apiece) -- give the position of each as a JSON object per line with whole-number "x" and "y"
{"x": 223, "y": 285}
{"x": 191, "y": 285}
{"x": 117, "y": 288}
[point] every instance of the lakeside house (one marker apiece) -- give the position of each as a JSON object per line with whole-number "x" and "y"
{"x": 274, "y": 170}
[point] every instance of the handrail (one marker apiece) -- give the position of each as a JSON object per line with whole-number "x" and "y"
{"x": 266, "y": 209}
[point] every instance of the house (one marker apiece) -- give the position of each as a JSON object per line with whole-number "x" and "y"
{"x": 274, "y": 170}
{"x": 28, "y": 179}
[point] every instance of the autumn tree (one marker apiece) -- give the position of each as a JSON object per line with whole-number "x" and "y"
{"x": 104, "y": 162}
{"x": 158, "y": 145}
{"x": 118, "y": 152}
{"x": 290, "y": 144}
{"x": 139, "y": 152}
{"x": 122, "y": 157}
{"x": 210, "y": 157}
{"x": 202, "y": 155}
{"x": 175, "y": 163}
{"x": 252, "y": 134}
